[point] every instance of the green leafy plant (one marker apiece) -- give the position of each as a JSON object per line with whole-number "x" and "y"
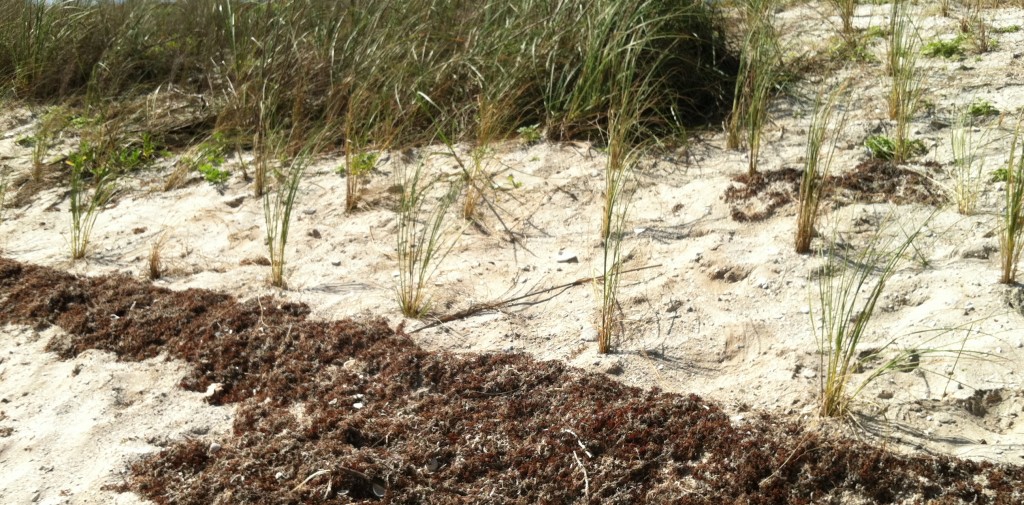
{"x": 1006, "y": 29}
{"x": 423, "y": 240}
{"x": 530, "y": 134}
{"x": 86, "y": 203}
{"x": 358, "y": 166}
{"x": 944, "y": 48}
{"x": 822, "y": 135}
{"x": 847, "y": 297}
{"x": 1012, "y": 229}
{"x": 979, "y": 108}
{"x": 883, "y": 147}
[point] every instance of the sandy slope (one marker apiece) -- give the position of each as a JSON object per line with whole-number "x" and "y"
{"x": 723, "y": 313}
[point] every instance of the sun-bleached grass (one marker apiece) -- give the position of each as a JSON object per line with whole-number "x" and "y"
{"x": 822, "y": 136}
{"x": 1012, "y": 226}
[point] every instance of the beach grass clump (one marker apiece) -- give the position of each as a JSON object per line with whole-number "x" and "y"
{"x": 278, "y": 204}
{"x": 848, "y": 294}
{"x": 759, "y": 73}
{"x": 291, "y": 67}
{"x": 967, "y": 171}
{"x": 907, "y": 78}
{"x": 92, "y": 186}
{"x": 1012, "y": 227}
{"x": 424, "y": 237}
{"x": 822, "y": 136}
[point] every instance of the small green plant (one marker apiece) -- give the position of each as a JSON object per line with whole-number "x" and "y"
{"x": 423, "y": 239}
{"x": 358, "y": 166}
{"x": 1000, "y": 174}
{"x": 980, "y": 108}
{"x": 884, "y": 147}
{"x": 847, "y": 298}
{"x": 944, "y": 48}
{"x": 529, "y": 134}
{"x": 1006, "y": 29}
{"x": 86, "y": 205}
{"x": 1012, "y": 230}
{"x": 207, "y": 158}
{"x": 817, "y": 165}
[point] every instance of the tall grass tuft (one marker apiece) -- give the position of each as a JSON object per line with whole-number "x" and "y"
{"x": 905, "y": 93}
{"x": 277, "y": 211}
{"x": 967, "y": 172}
{"x": 423, "y": 240}
{"x": 86, "y": 204}
{"x": 822, "y": 133}
{"x": 1012, "y": 230}
{"x": 760, "y": 64}
{"x": 848, "y": 293}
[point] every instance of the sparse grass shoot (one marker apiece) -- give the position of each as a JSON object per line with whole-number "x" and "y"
{"x": 847, "y": 296}
{"x": 822, "y": 135}
{"x": 423, "y": 240}
{"x": 905, "y": 93}
{"x": 1012, "y": 229}
{"x": 86, "y": 204}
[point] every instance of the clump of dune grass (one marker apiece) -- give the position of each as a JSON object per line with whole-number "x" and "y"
{"x": 91, "y": 188}
{"x": 278, "y": 203}
{"x": 905, "y": 92}
{"x": 3, "y": 197}
{"x": 822, "y": 135}
{"x": 846, "y": 10}
{"x": 155, "y": 264}
{"x": 760, "y": 64}
{"x": 424, "y": 237}
{"x": 967, "y": 171}
{"x": 848, "y": 293}
{"x": 52, "y": 122}
{"x": 1012, "y": 229}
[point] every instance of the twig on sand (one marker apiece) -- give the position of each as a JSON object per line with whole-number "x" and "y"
{"x": 477, "y": 308}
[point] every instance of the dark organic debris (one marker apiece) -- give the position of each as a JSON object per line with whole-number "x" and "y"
{"x": 345, "y": 411}
{"x": 757, "y": 197}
